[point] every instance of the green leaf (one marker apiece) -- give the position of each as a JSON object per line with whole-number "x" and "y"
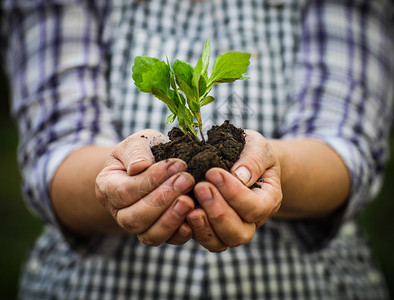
{"x": 184, "y": 75}
{"x": 207, "y": 100}
{"x": 194, "y": 105}
{"x": 182, "y": 98}
{"x": 205, "y": 58}
{"x": 229, "y": 67}
{"x": 185, "y": 118}
{"x": 244, "y": 77}
{"x": 172, "y": 75}
{"x": 170, "y": 119}
{"x": 197, "y": 74}
{"x": 170, "y": 98}
{"x": 140, "y": 66}
{"x": 201, "y": 68}
{"x": 156, "y": 79}
{"x": 156, "y": 75}
{"x": 202, "y": 87}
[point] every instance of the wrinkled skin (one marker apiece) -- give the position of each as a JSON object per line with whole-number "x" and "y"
{"x": 149, "y": 199}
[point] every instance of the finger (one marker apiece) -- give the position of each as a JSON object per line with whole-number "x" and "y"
{"x": 252, "y": 205}
{"x": 169, "y": 223}
{"x": 271, "y": 190}
{"x": 256, "y": 156}
{"x": 135, "y": 153}
{"x": 182, "y": 235}
{"x": 122, "y": 190}
{"x": 225, "y": 221}
{"x": 138, "y": 217}
{"x": 203, "y": 231}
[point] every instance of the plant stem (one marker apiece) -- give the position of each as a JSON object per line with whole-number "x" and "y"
{"x": 197, "y": 115}
{"x": 193, "y": 135}
{"x": 201, "y": 133}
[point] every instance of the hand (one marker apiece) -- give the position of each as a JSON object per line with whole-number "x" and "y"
{"x": 231, "y": 211}
{"x": 146, "y": 198}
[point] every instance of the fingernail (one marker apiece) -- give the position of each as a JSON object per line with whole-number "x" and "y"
{"x": 204, "y": 195}
{"x": 182, "y": 183}
{"x": 136, "y": 161}
{"x": 176, "y": 167}
{"x": 243, "y": 174}
{"x": 181, "y": 208}
{"x": 198, "y": 222}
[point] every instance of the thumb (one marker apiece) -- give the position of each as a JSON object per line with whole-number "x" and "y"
{"x": 135, "y": 151}
{"x": 256, "y": 156}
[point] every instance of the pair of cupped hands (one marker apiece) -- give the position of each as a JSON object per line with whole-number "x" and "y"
{"x": 149, "y": 199}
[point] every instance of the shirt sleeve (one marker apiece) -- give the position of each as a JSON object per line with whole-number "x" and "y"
{"x": 56, "y": 61}
{"x": 342, "y": 94}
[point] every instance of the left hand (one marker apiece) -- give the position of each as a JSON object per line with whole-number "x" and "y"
{"x": 230, "y": 211}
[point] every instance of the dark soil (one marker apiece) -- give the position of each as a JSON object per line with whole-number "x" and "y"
{"x": 222, "y": 149}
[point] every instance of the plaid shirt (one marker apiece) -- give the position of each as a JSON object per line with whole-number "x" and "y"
{"x": 319, "y": 69}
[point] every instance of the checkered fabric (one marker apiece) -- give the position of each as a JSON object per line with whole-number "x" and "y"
{"x": 319, "y": 69}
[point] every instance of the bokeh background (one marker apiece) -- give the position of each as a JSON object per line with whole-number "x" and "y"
{"x": 19, "y": 228}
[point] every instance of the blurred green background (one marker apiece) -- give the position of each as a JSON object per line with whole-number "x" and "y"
{"x": 19, "y": 229}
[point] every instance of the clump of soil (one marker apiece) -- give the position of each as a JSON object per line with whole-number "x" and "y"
{"x": 222, "y": 149}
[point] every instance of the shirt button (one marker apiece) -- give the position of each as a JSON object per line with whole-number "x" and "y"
{"x": 349, "y": 230}
{"x": 374, "y": 278}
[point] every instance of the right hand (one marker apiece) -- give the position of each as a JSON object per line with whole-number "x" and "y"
{"x": 146, "y": 198}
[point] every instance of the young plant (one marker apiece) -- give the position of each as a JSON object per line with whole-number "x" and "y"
{"x": 181, "y": 84}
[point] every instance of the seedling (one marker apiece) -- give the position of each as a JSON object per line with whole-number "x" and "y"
{"x": 181, "y": 84}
